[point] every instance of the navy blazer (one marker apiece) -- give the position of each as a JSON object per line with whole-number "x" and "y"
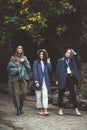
{"x": 61, "y": 69}
{"x": 38, "y": 74}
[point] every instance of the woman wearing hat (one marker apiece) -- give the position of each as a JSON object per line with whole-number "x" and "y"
{"x": 41, "y": 69}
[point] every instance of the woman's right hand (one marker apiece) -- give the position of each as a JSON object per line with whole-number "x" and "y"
{"x": 57, "y": 83}
{"x": 48, "y": 60}
{"x": 37, "y": 85}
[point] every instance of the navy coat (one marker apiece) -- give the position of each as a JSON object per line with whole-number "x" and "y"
{"x": 38, "y": 74}
{"x": 61, "y": 69}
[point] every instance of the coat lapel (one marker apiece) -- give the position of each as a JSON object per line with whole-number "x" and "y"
{"x": 39, "y": 66}
{"x": 71, "y": 64}
{"x": 65, "y": 64}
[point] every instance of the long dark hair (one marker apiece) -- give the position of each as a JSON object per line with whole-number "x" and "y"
{"x": 16, "y": 56}
{"x": 45, "y": 55}
{"x": 16, "y": 53}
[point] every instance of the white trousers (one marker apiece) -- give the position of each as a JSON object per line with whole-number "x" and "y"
{"x": 42, "y": 97}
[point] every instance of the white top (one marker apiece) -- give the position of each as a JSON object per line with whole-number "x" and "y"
{"x": 44, "y": 84}
{"x": 42, "y": 65}
{"x": 68, "y": 68}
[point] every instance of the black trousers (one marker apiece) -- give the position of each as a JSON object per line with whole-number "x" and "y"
{"x": 70, "y": 82}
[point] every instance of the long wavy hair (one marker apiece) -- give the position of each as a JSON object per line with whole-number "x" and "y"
{"x": 45, "y": 55}
{"x": 16, "y": 55}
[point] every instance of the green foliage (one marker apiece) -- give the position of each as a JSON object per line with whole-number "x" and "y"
{"x": 33, "y": 17}
{"x": 85, "y": 92}
{"x": 61, "y": 30}
{"x": 20, "y": 18}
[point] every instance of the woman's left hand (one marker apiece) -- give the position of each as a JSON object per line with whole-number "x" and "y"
{"x": 22, "y": 60}
{"x": 48, "y": 60}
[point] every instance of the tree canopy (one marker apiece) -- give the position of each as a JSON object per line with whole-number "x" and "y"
{"x": 52, "y": 24}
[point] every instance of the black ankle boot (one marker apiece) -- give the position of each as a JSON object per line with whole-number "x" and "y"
{"x": 21, "y": 110}
{"x": 18, "y": 111}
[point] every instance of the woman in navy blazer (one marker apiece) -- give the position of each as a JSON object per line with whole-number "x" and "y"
{"x": 66, "y": 77}
{"x": 41, "y": 69}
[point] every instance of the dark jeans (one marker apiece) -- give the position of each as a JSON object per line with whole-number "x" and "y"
{"x": 70, "y": 86}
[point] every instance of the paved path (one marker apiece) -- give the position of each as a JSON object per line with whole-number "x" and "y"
{"x": 30, "y": 120}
